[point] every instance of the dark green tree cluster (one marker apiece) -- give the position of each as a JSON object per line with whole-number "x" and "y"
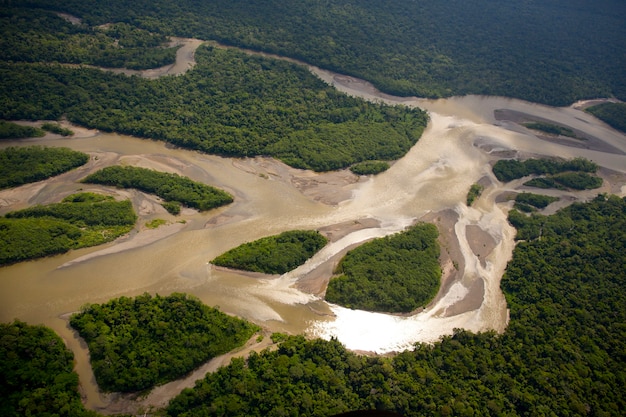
{"x": 21, "y": 165}
{"x": 369, "y": 167}
{"x": 614, "y": 114}
{"x": 396, "y": 274}
{"x": 274, "y": 254}
{"x": 565, "y": 180}
{"x": 529, "y": 202}
{"x": 530, "y": 50}
{"x": 37, "y": 375}
{"x": 230, "y": 104}
{"x": 56, "y": 128}
{"x": 511, "y": 169}
{"x": 551, "y": 129}
{"x": 136, "y": 343}
{"x": 562, "y": 353}
{"x": 35, "y": 35}
{"x": 80, "y": 220}
{"x": 9, "y": 130}
{"x": 170, "y": 187}
{"x": 474, "y": 192}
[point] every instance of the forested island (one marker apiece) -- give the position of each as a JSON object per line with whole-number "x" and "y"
{"x": 395, "y": 274}
{"x": 173, "y": 188}
{"x": 22, "y": 165}
{"x": 135, "y": 343}
{"x": 80, "y": 220}
{"x": 274, "y": 254}
{"x": 613, "y": 114}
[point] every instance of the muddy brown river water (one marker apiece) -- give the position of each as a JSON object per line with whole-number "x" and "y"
{"x": 456, "y": 150}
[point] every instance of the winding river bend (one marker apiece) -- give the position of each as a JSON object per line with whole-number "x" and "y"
{"x": 465, "y": 135}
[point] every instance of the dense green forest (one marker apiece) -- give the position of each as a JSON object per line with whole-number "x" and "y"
{"x": 173, "y": 188}
{"x": 230, "y": 104}
{"x": 397, "y": 273}
{"x": 80, "y": 220}
{"x": 274, "y": 254}
{"x": 10, "y": 130}
{"x": 474, "y": 192}
{"x": 562, "y": 353}
{"x": 567, "y": 180}
{"x": 21, "y": 165}
{"x": 613, "y": 114}
{"x": 35, "y": 35}
{"x": 37, "y": 375}
{"x": 369, "y": 167}
{"x": 135, "y": 343}
{"x": 529, "y": 50}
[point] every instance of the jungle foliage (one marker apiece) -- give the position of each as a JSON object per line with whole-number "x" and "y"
{"x": 56, "y": 128}
{"x": 80, "y": 220}
{"x": 170, "y": 187}
{"x": 36, "y": 35}
{"x": 22, "y": 165}
{"x": 37, "y": 375}
{"x": 529, "y": 50}
{"x": 9, "y": 130}
{"x": 614, "y": 114}
{"x": 397, "y": 273}
{"x": 562, "y": 353}
{"x": 528, "y": 202}
{"x": 565, "y": 180}
{"x": 136, "y": 343}
{"x": 230, "y": 104}
{"x": 274, "y": 254}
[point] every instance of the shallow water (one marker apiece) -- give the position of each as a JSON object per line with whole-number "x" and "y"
{"x": 454, "y": 152}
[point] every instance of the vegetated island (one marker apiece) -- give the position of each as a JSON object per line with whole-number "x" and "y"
{"x": 396, "y": 274}
{"x": 551, "y": 129}
{"x": 136, "y": 343}
{"x": 22, "y": 165}
{"x": 172, "y": 188}
{"x": 613, "y": 114}
{"x": 529, "y": 202}
{"x": 573, "y": 174}
{"x": 273, "y": 254}
{"x": 80, "y": 220}
{"x": 474, "y": 192}
{"x": 561, "y": 352}
{"x": 38, "y": 377}
{"x": 230, "y": 104}
{"x": 10, "y": 130}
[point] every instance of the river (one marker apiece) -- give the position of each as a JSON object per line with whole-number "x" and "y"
{"x": 462, "y": 139}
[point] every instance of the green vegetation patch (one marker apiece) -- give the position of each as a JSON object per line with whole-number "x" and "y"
{"x": 565, "y": 180}
{"x": 613, "y": 114}
{"x": 529, "y": 202}
{"x": 155, "y": 223}
{"x": 510, "y": 169}
{"x": 551, "y": 129}
{"x": 81, "y": 220}
{"x": 9, "y": 130}
{"x": 474, "y": 192}
{"x": 22, "y": 165}
{"x": 396, "y": 274}
{"x": 170, "y": 187}
{"x": 274, "y": 254}
{"x": 369, "y": 167}
{"x": 38, "y": 377}
{"x": 136, "y": 343}
{"x": 56, "y": 128}
{"x": 562, "y": 352}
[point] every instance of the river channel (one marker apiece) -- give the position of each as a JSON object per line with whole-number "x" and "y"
{"x": 464, "y": 137}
